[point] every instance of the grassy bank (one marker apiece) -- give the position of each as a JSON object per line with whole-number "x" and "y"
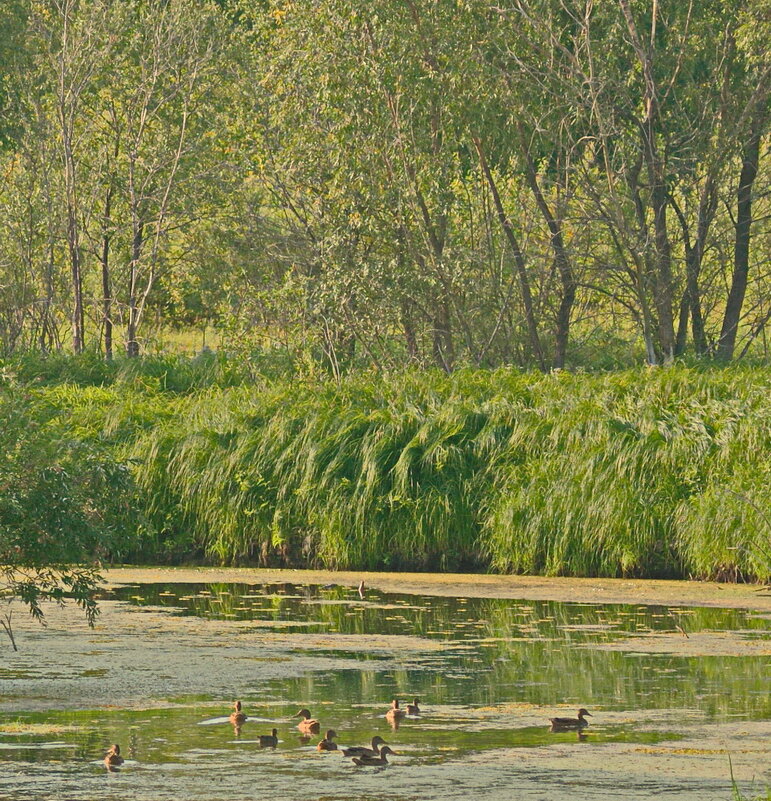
{"x": 647, "y": 472}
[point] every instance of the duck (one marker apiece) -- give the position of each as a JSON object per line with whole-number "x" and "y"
{"x": 112, "y": 757}
{"x": 362, "y": 750}
{"x": 307, "y": 725}
{"x": 237, "y": 717}
{"x": 567, "y": 724}
{"x": 365, "y": 760}
{"x": 395, "y": 713}
{"x": 413, "y": 708}
{"x": 327, "y": 743}
{"x": 269, "y": 740}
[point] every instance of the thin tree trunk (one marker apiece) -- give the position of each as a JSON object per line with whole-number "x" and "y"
{"x": 749, "y": 171}
{"x": 408, "y": 327}
{"x": 132, "y": 345}
{"x": 106, "y": 290}
{"x": 77, "y": 279}
{"x": 659, "y": 197}
{"x": 443, "y": 349}
{"x": 561, "y": 259}
{"x": 524, "y": 283}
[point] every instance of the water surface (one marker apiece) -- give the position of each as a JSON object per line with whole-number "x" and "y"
{"x": 672, "y": 693}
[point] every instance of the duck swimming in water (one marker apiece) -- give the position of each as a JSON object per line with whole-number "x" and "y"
{"x": 570, "y": 724}
{"x": 395, "y": 712}
{"x": 328, "y": 744}
{"x": 413, "y": 708}
{"x": 362, "y": 750}
{"x": 237, "y": 717}
{"x": 366, "y": 760}
{"x": 307, "y": 725}
{"x": 269, "y": 740}
{"x": 113, "y": 758}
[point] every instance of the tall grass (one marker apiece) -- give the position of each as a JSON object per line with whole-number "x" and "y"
{"x": 639, "y": 473}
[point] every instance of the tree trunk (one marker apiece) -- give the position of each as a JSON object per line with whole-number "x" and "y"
{"x": 659, "y": 196}
{"x": 659, "y": 200}
{"x": 749, "y": 171}
{"x": 132, "y": 345}
{"x": 77, "y": 279}
{"x": 561, "y": 260}
{"x": 524, "y": 283}
{"x": 408, "y": 328}
{"x": 106, "y": 289}
{"x": 444, "y": 351}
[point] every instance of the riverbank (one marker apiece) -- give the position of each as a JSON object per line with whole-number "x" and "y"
{"x": 472, "y": 585}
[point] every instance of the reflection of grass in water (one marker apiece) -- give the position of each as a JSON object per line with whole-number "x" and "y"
{"x": 503, "y": 650}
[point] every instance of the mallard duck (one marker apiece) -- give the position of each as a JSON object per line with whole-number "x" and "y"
{"x": 112, "y": 757}
{"x": 269, "y": 740}
{"x": 362, "y": 750}
{"x": 327, "y": 743}
{"x": 307, "y": 725}
{"x": 413, "y": 708}
{"x": 567, "y": 724}
{"x": 395, "y": 713}
{"x": 237, "y": 717}
{"x": 365, "y": 759}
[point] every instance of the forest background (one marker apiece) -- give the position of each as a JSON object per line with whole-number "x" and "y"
{"x": 429, "y": 241}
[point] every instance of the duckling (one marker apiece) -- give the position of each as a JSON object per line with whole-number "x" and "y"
{"x": 374, "y": 760}
{"x": 362, "y": 750}
{"x": 307, "y": 725}
{"x": 395, "y": 713}
{"x": 237, "y": 717}
{"x": 269, "y": 740}
{"x": 113, "y": 758}
{"x": 326, "y": 744}
{"x": 568, "y": 724}
{"x": 413, "y": 708}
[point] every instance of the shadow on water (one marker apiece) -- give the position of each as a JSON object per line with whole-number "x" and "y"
{"x": 504, "y": 667}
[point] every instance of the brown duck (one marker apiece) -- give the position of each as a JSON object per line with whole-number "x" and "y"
{"x": 237, "y": 717}
{"x": 269, "y": 740}
{"x": 570, "y": 724}
{"x": 395, "y": 712}
{"x": 113, "y": 758}
{"x": 374, "y": 760}
{"x": 307, "y": 725}
{"x": 328, "y": 744}
{"x": 413, "y": 708}
{"x": 362, "y": 750}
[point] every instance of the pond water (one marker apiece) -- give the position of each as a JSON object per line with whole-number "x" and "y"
{"x": 673, "y": 693}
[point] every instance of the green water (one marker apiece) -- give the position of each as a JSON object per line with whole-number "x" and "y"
{"x": 500, "y": 670}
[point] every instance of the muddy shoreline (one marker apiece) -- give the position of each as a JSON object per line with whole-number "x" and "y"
{"x": 535, "y": 588}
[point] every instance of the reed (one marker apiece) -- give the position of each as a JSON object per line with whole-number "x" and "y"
{"x": 639, "y": 473}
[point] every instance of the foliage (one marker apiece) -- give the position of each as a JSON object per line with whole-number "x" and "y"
{"x": 540, "y": 183}
{"x": 64, "y": 502}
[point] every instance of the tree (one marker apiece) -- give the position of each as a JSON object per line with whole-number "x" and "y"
{"x": 61, "y": 506}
